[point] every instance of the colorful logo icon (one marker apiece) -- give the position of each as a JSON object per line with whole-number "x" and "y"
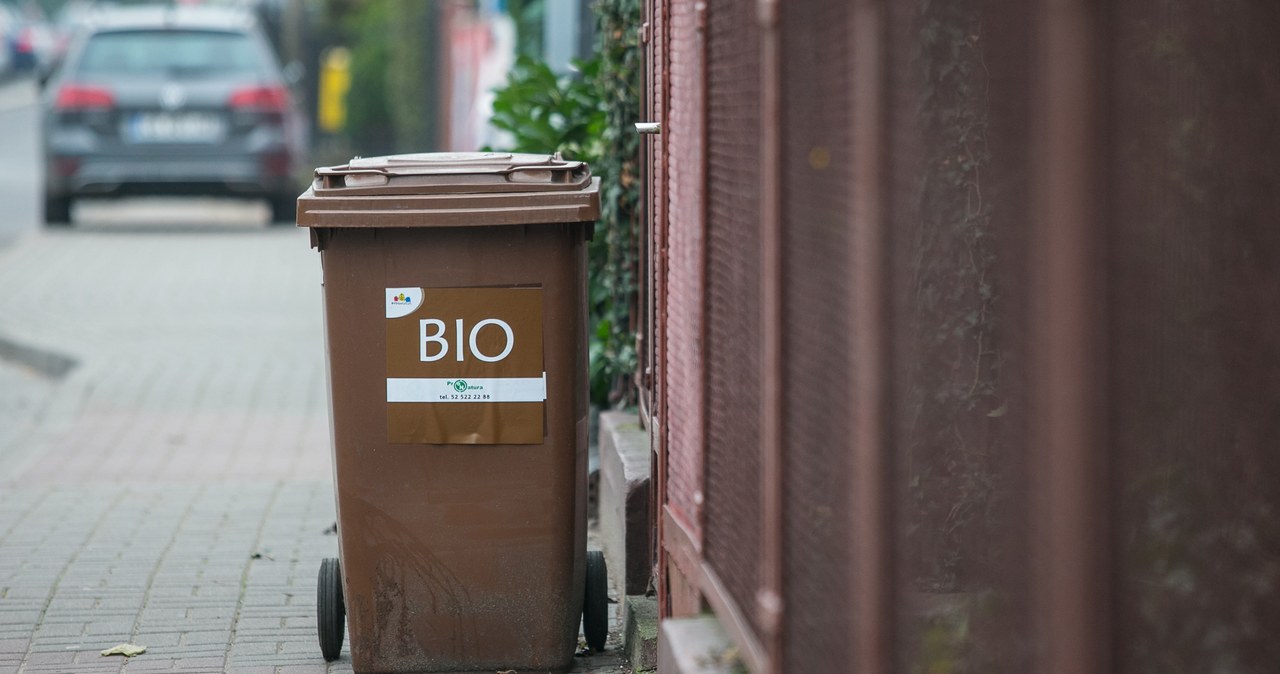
{"x": 403, "y": 301}
{"x": 460, "y": 386}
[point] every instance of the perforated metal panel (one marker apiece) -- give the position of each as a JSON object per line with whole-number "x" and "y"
{"x": 1193, "y": 333}
{"x": 817, "y": 211}
{"x": 1081, "y": 339}
{"x": 732, "y": 510}
{"x": 684, "y": 315}
{"x": 958, "y": 141}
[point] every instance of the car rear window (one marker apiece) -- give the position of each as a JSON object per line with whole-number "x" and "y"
{"x": 171, "y": 52}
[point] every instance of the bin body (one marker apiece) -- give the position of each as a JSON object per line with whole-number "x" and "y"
{"x": 461, "y": 545}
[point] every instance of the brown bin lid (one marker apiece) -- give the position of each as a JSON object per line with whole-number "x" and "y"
{"x": 452, "y": 173}
{"x": 451, "y": 189}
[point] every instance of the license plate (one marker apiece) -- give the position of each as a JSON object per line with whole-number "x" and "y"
{"x": 168, "y": 127}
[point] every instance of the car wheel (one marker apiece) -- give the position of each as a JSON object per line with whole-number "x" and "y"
{"x": 57, "y": 210}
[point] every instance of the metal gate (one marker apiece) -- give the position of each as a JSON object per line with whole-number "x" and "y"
{"x": 973, "y": 340}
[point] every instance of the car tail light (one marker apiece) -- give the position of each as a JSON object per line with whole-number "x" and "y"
{"x": 260, "y": 99}
{"x": 81, "y": 97}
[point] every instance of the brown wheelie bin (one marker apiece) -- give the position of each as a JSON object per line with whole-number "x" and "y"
{"x": 455, "y": 311}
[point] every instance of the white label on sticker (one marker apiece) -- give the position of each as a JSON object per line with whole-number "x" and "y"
{"x": 403, "y": 301}
{"x": 468, "y": 390}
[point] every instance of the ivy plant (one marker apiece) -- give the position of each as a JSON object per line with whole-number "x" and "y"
{"x": 543, "y": 112}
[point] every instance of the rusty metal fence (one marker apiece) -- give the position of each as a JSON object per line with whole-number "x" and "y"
{"x": 969, "y": 327}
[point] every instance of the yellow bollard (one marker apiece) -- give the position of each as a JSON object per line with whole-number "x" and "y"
{"x": 335, "y": 81}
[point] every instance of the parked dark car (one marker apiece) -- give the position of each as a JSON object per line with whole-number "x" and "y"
{"x": 171, "y": 100}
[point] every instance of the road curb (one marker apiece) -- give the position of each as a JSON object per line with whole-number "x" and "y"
{"x": 48, "y": 364}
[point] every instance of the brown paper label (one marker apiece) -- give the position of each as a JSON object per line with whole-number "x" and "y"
{"x": 464, "y": 366}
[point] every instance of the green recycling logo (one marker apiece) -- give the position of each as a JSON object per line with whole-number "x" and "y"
{"x": 460, "y": 386}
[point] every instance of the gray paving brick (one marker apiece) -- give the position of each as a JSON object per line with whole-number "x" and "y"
{"x": 241, "y": 649}
{"x": 131, "y": 601}
{"x": 77, "y": 668}
{"x": 301, "y": 646}
{"x": 110, "y": 627}
{"x": 197, "y": 663}
{"x": 15, "y": 592}
{"x": 210, "y": 652}
{"x": 150, "y": 664}
{"x": 245, "y": 624}
{"x": 64, "y": 616}
{"x": 285, "y": 659}
{"x": 62, "y": 644}
{"x": 19, "y": 616}
{"x": 206, "y": 637}
{"x": 154, "y": 640}
{"x": 73, "y": 604}
{"x": 62, "y": 657}
{"x": 218, "y": 612}
{"x": 72, "y": 629}
{"x": 217, "y": 591}
{"x": 304, "y": 669}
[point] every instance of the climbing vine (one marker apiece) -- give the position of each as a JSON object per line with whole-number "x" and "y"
{"x": 956, "y": 369}
{"x": 615, "y": 250}
{"x": 958, "y": 451}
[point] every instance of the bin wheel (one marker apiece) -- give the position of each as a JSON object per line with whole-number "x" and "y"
{"x": 595, "y": 602}
{"x": 331, "y": 612}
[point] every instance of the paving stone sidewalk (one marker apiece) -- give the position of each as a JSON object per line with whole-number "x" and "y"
{"x": 171, "y": 489}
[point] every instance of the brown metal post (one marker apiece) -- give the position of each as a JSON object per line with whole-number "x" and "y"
{"x": 869, "y": 600}
{"x": 1068, "y": 382}
{"x": 657, "y": 154}
{"x": 682, "y": 259}
{"x": 769, "y": 598}
{"x": 650, "y": 364}
{"x": 702, "y": 172}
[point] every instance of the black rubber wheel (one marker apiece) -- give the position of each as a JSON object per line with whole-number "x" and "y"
{"x": 57, "y": 210}
{"x": 284, "y": 209}
{"x": 331, "y": 612}
{"x": 595, "y": 602}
